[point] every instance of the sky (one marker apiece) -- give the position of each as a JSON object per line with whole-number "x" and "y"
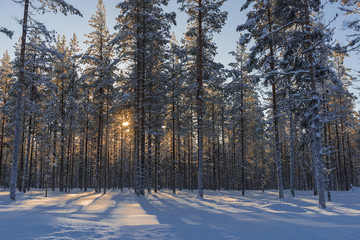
{"x": 67, "y": 25}
{"x": 226, "y": 40}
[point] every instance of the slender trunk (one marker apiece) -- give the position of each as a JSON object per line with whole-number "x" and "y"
{"x": 200, "y": 102}
{"x": 72, "y": 176}
{"x": 31, "y": 167}
{"x": 26, "y": 163}
{"x": 47, "y": 166}
{"x": 242, "y": 130}
{"x": 276, "y": 117}
{"x": 107, "y": 158}
{"x": 142, "y": 118}
{"x": 150, "y": 163}
{"x": 232, "y": 172}
{"x": 346, "y": 175}
{"x": 292, "y": 142}
{"x": 86, "y": 161}
{"x": 339, "y": 158}
{"x": 137, "y": 129}
{"x": 191, "y": 157}
{"x": 99, "y": 152}
{"x": 185, "y": 162}
{"x": 68, "y": 160}
{"x": 67, "y": 165}
{"x": 218, "y": 164}
{"x": 19, "y": 104}
{"x": 350, "y": 161}
{"x": 188, "y": 176}
{"x": 315, "y": 186}
{"x": 173, "y": 148}
{"x": 2, "y": 149}
{"x": 223, "y": 153}
{"x": 42, "y": 167}
{"x": 81, "y": 160}
{"x": 178, "y": 151}
{"x": 316, "y": 122}
{"x": 53, "y": 179}
{"x": 156, "y": 164}
{"x": 62, "y": 137}
{"x": 21, "y": 170}
{"x": 121, "y": 157}
{"x": 327, "y": 176}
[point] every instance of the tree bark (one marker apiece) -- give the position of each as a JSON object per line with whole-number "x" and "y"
{"x": 2, "y": 149}
{"x": 276, "y": 117}
{"x": 19, "y": 103}
{"x": 316, "y": 123}
{"x": 200, "y": 102}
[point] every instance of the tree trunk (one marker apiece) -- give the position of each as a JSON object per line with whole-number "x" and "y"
{"x": 173, "y": 149}
{"x": 352, "y": 174}
{"x": 21, "y": 169}
{"x": 86, "y": 160}
{"x": 223, "y": 153}
{"x": 31, "y": 167}
{"x": 200, "y": 102}
{"x": 156, "y": 164}
{"x": 242, "y": 130}
{"x": 292, "y": 142}
{"x": 19, "y": 103}
{"x": 149, "y": 160}
{"x": 26, "y": 163}
{"x": 316, "y": 122}
{"x": 276, "y": 117}
{"x": 53, "y": 179}
{"x": 346, "y": 175}
{"x": 99, "y": 152}
{"x": 62, "y": 137}
{"x": 2, "y": 149}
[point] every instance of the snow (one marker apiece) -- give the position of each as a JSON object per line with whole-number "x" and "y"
{"x": 220, "y": 215}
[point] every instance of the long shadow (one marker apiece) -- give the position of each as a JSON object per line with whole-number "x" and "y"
{"x": 190, "y": 222}
{"x": 189, "y": 218}
{"x": 289, "y": 215}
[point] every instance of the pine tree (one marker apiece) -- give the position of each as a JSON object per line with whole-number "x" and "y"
{"x": 138, "y": 20}
{"x": 205, "y": 19}
{"x": 262, "y": 27}
{"x": 53, "y": 5}
{"x": 240, "y": 96}
{"x": 99, "y": 72}
{"x": 5, "y": 83}
{"x": 19, "y": 103}
{"x": 37, "y": 68}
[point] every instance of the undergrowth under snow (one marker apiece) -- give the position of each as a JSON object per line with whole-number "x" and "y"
{"x": 220, "y": 215}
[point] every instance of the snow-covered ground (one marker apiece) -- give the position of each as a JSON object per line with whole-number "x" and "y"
{"x": 221, "y": 215}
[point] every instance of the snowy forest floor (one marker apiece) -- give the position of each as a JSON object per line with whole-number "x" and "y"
{"x": 221, "y": 215}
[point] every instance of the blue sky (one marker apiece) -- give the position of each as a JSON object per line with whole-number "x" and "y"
{"x": 67, "y": 25}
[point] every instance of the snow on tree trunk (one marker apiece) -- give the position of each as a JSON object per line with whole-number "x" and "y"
{"x": 315, "y": 118}
{"x": 292, "y": 143}
{"x": 19, "y": 104}
{"x": 276, "y": 115}
{"x": 200, "y": 103}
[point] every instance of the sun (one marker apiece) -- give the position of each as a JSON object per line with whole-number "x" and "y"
{"x": 125, "y": 124}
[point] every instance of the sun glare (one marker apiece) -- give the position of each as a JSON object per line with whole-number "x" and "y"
{"x": 125, "y": 124}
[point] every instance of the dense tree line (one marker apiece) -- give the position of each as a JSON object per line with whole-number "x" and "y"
{"x": 139, "y": 109}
